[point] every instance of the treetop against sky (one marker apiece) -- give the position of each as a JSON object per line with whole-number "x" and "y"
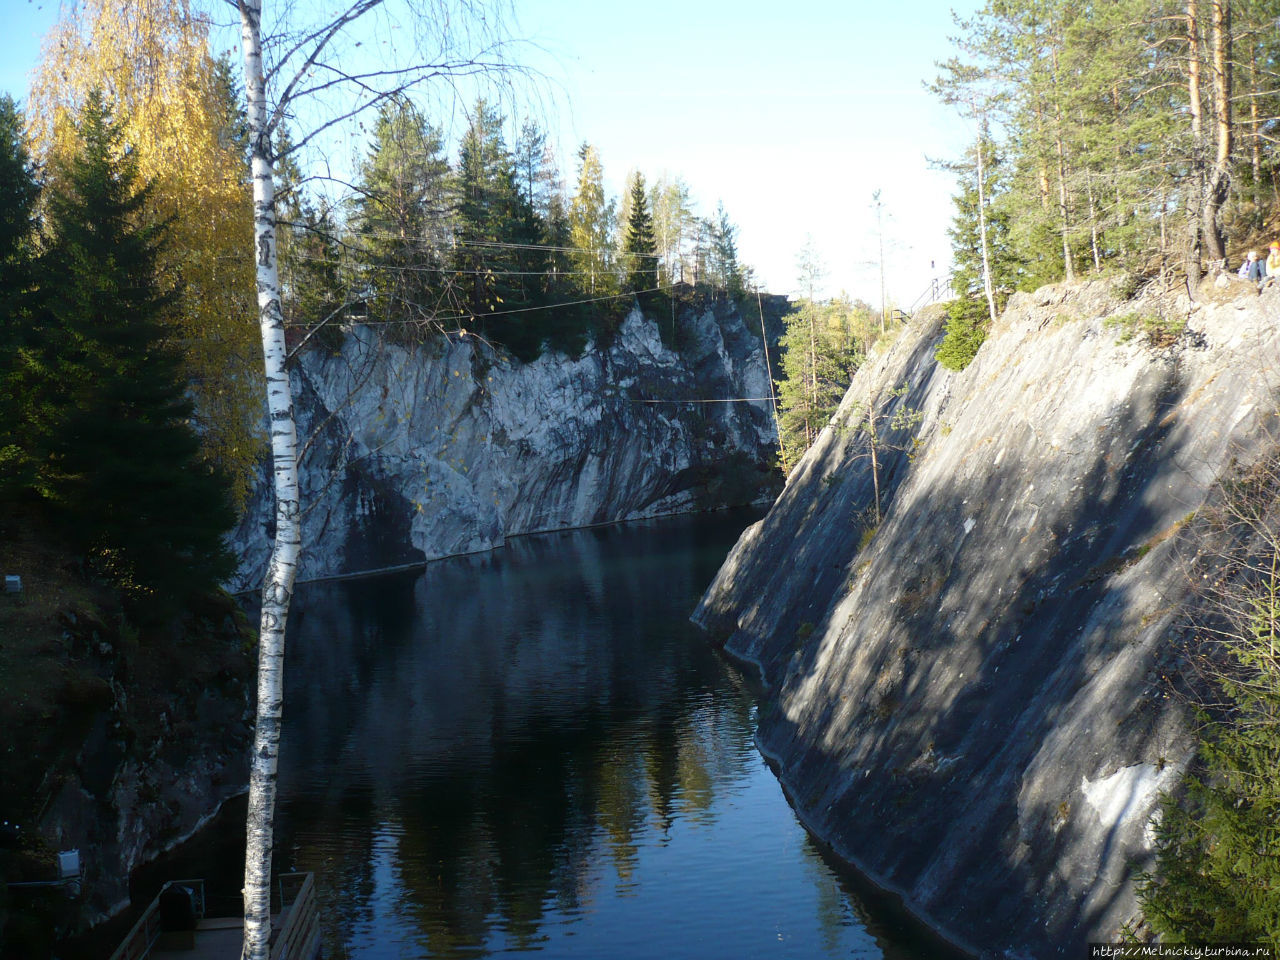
{"x": 791, "y": 115}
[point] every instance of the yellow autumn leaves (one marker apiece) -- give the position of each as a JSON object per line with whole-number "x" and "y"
{"x": 151, "y": 60}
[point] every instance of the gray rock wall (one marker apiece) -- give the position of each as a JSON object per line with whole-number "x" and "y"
{"x": 966, "y": 701}
{"x": 419, "y": 452}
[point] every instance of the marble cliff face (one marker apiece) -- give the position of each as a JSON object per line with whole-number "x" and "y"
{"x": 966, "y": 699}
{"x": 422, "y": 451}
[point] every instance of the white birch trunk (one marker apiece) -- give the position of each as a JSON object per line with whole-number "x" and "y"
{"x": 987, "y": 285}
{"x": 277, "y": 589}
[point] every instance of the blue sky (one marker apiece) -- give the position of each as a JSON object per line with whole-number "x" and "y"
{"x": 791, "y": 113}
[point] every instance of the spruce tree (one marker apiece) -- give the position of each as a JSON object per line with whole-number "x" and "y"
{"x": 496, "y": 229}
{"x": 640, "y": 248}
{"x": 18, "y": 193}
{"x": 117, "y": 463}
{"x": 819, "y": 359}
{"x": 726, "y": 271}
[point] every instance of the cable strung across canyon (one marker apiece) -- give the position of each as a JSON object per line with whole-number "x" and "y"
{"x": 724, "y": 400}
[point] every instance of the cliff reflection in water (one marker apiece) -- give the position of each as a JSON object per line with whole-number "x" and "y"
{"x": 533, "y": 749}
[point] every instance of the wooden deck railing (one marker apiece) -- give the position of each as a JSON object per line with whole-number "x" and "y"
{"x": 299, "y": 937}
{"x": 137, "y": 945}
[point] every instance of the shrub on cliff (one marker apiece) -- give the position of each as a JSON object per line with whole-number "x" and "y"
{"x": 1217, "y": 874}
{"x": 967, "y": 322}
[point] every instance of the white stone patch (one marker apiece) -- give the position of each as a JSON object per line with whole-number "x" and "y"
{"x": 1126, "y": 792}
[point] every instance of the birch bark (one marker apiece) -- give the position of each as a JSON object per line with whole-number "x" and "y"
{"x": 277, "y": 589}
{"x": 987, "y": 285}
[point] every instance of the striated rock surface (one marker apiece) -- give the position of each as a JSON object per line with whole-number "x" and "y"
{"x": 419, "y": 452}
{"x": 968, "y": 701}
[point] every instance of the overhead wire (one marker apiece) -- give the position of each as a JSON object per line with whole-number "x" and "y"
{"x": 720, "y": 400}
{"x": 506, "y": 244}
{"x": 409, "y": 268}
{"x": 499, "y": 313}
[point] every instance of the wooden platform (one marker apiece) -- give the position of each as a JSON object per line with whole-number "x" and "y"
{"x": 216, "y": 939}
{"x": 295, "y": 931}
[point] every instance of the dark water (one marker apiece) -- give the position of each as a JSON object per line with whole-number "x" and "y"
{"x": 533, "y": 750}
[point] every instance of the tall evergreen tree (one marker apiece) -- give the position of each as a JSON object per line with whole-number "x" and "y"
{"x": 403, "y": 215}
{"x": 497, "y": 232}
{"x": 117, "y": 463}
{"x": 151, "y": 58}
{"x": 315, "y": 276}
{"x": 725, "y": 270}
{"x": 18, "y": 193}
{"x": 819, "y": 358}
{"x": 640, "y": 248}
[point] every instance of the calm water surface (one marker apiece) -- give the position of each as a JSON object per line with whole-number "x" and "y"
{"x": 534, "y": 750}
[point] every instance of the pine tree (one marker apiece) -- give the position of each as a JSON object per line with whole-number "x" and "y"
{"x": 315, "y": 276}
{"x": 1133, "y": 131}
{"x": 117, "y": 464}
{"x": 403, "y": 216}
{"x": 497, "y": 231}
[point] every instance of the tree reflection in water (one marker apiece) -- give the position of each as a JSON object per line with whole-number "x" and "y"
{"x": 534, "y": 749}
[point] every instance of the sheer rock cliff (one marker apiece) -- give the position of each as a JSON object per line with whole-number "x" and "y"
{"x": 423, "y": 451}
{"x": 970, "y": 701}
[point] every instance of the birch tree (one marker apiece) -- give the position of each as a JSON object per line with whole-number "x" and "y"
{"x": 309, "y": 65}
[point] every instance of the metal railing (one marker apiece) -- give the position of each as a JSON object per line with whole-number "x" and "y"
{"x": 939, "y": 288}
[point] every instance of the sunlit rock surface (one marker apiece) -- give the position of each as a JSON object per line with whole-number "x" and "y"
{"x": 419, "y": 452}
{"x": 968, "y": 701}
